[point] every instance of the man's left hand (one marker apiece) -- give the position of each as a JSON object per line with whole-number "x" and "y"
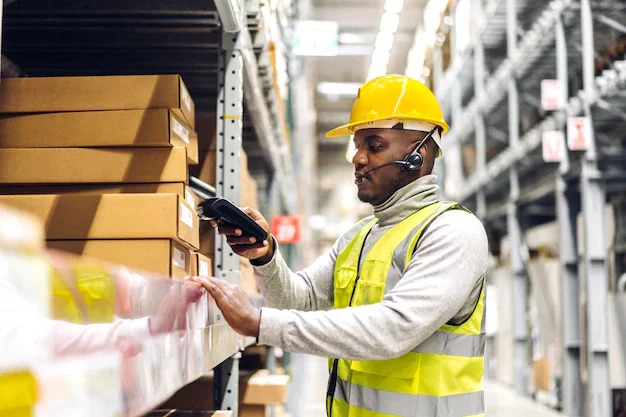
{"x": 235, "y": 305}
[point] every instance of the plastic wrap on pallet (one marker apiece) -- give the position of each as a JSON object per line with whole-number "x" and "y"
{"x": 87, "y": 338}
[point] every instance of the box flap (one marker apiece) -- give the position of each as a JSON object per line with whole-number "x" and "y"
{"x": 181, "y": 135}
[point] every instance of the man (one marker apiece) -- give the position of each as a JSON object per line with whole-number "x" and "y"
{"x": 407, "y": 284}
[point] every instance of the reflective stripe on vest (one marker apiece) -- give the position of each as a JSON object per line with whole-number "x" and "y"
{"x": 408, "y": 405}
{"x": 442, "y": 376}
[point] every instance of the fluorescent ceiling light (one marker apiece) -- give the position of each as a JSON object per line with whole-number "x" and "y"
{"x": 394, "y": 6}
{"x": 384, "y": 40}
{"x": 349, "y": 38}
{"x": 342, "y": 89}
{"x": 376, "y": 69}
{"x": 389, "y": 22}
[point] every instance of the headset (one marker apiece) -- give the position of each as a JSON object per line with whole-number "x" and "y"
{"x": 413, "y": 162}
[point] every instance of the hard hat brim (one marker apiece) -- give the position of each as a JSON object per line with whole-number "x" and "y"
{"x": 346, "y": 130}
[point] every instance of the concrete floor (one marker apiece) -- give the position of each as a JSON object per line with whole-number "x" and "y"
{"x": 308, "y": 388}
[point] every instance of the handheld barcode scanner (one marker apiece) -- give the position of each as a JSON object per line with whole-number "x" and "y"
{"x": 221, "y": 209}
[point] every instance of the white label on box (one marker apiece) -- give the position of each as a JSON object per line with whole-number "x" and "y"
{"x": 189, "y": 198}
{"x": 180, "y": 130}
{"x": 203, "y": 269}
{"x": 179, "y": 258}
{"x": 186, "y": 99}
{"x": 186, "y": 216}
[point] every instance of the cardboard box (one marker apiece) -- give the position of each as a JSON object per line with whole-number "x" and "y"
{"x": 94, "y": 93}
{"x": 79, "y": 165}
{"x": 179, "y": 188}
{"x": 253, "y": 410}
{"x": 201, "y": 265}
{"x": 206, "y": 126}
{"x": 160, "y": 256}
{"x": 125, "y": 128}
{"x": 264, "y": 388}
{"x": 207, "y": 239}
{"x": 112, "y": 216}
{"x": 248, "y": 282}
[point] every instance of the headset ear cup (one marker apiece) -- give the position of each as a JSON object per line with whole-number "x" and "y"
{"x": 416, "y": 162}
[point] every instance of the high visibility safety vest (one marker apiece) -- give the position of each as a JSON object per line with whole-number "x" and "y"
{"x": 442, "y": 376}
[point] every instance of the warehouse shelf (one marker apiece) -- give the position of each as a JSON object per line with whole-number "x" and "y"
{"x": 176, "y": 335}
{"x": 147, "y": 37}
{"x": 612, "y": 84}
{"x": 535, "y": 42}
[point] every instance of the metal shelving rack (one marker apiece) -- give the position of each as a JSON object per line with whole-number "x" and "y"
{"x": 218, "y": 48}
{"x": 491, "y": 92}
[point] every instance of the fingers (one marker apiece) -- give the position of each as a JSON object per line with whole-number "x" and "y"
{"x": 255, "y": 214}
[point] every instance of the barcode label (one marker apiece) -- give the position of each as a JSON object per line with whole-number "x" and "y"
{"x": 186, "y": 98}
{"x": 179, "y": 258}
{"x": 203, "y": 268}
{"x": 186, "y": 216}
{"x": 189, "y": 198}
{"x": 180, "y": 130}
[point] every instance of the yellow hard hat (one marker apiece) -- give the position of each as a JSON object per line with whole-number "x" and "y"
{"x": 392, "y": 97}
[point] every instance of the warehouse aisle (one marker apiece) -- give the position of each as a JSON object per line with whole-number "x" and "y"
{"x": 500, "y": 401}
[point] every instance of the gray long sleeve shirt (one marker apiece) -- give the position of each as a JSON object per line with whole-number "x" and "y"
{"x": 441, "y": 284}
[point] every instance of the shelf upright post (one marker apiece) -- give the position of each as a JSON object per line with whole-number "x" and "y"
{"x": 568, "y": 206}
{"x": 518, "y": 270}
{"x": 595, "y": 255}
{"x": 229, "y": 138}
{"x": 479, "y": 120}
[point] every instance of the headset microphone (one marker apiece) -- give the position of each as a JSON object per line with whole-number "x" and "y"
{"x": 404, "y": 164}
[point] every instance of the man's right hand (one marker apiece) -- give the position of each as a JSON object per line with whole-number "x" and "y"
{"x": 247, "y": 246}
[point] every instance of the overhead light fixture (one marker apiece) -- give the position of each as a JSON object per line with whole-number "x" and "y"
{"x": 349, "y": 38}
{"x": 384, "y": 40}
{"x": 381, "y": 56}
{"x": 389, "y": 22}
{"x": 338, "y": 89}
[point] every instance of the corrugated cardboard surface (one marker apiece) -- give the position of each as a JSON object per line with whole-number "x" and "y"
{"x": 248, "y": 282}
{"x": 201, "y": 265}
{"x": 112, "y": 216}
{"x": 207, "y": 239}
{"x": 160, "y": 256}
{"x": 206, "y": 127}
{"x": 80, "y": 165}
{"x": 126, "y": 128}
{"x": 263, "y": 388}
{"x": 125, "y": 92}
{"x": 179, "y": 188}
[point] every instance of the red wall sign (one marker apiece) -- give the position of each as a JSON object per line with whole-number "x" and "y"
{"x": 286, "y": 229}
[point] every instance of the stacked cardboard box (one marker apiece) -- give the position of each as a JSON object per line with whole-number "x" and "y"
{"x": 103, "y": 161}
